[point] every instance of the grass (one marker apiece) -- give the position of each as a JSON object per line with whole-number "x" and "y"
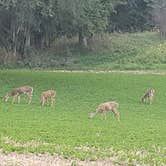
{"x": 128, "y": 51}
{"x": 66, "y": 129}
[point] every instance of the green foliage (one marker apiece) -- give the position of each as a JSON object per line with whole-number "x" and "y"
{"x": 134, "y": 15}
{"x": 127, "y": 51}
{"x": 37, "y": 23}
{"x": 66, "y": 129}
{"x": 159, "y": 13}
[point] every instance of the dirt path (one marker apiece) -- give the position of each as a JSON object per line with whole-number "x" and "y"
{"x": 15, "y": 159}
{"x": 160, "y": 72}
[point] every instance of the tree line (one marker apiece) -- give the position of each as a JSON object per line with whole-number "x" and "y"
{"x": 37, "y": 23}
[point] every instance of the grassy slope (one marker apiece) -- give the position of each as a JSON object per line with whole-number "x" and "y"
{"x": 137, "y": 51}
{"x": 125, "y": 51}
{"x": 128, "y": 51}
{"x": 66, "y": 129}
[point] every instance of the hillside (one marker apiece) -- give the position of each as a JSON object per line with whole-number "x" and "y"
{"x": 129, "y": 51}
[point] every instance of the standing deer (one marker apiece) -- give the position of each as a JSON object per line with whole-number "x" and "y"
{"x": 46, "y": 95}
{"x": 17, "y": 92}
{"x": 105, "y": 107}
{"x": 149, "y": 96}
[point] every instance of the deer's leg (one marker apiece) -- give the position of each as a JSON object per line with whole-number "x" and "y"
{"x": 46, "y": 101}
{"x": 150, "y": 102}
{"x": 6, "y": 98}
{"x": 104, "y": 115}
{"x": 116, "y": 114}
{"x": 18, "y": 98}
{"x": 42, "y": 101}
{"x": 52, "y": 101}
{"x": 14, "y": 99}
{"x": 150, "y": 99}
{"x": 143, "y": 100}
{"x": 29, "y": 98}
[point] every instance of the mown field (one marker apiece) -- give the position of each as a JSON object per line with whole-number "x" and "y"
{"x": 65, "y": 129}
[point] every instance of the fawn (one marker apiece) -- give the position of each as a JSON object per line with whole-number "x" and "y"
{"x": 105, "y": 107}
{"x": 46, "y": 95}
{"x": 149, "y": 96}
{"x": 17, "y": 92}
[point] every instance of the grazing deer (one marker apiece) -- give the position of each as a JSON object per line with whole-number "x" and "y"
{"x": 149, "y": 95}
{"x": 17, "y": 92}
{"x": 105, "y": 107}
{"x": 46, "y": 95}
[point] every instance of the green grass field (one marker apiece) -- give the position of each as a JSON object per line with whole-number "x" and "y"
{"x": 65, "y": 128}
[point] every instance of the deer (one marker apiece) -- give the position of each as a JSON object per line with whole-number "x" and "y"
{"x": 105, "y": 107}
{"x": 17, "y": 92}
{"x": 148, "y": 96}
{"x": 46, "y": 95}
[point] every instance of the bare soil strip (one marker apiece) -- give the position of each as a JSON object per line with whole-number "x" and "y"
{"x": 15, "y": 159}
{"x": 160, "y": 72}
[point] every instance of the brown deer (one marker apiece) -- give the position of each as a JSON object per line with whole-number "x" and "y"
{"x": 17, "y": 92}
{"x": 46, "y": 95}
{"x": 105, "y": 107}
{"x": 148, "y": 96}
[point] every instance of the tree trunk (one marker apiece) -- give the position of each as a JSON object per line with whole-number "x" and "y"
{"x": 15, "y": 33}
{"x": 82, "y": 39}
{"x": 27, "y": 38}
{"x": 38, "y": 40}
{"x": 14, "y": 47}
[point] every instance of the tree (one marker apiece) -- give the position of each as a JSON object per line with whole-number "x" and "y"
{"x": 36, "y": 23}
{"x": 159, "y": 14}
{"x": 133, "y": 15}
{"x": 82, "y": 17}
{"x": 27, "y": 23}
